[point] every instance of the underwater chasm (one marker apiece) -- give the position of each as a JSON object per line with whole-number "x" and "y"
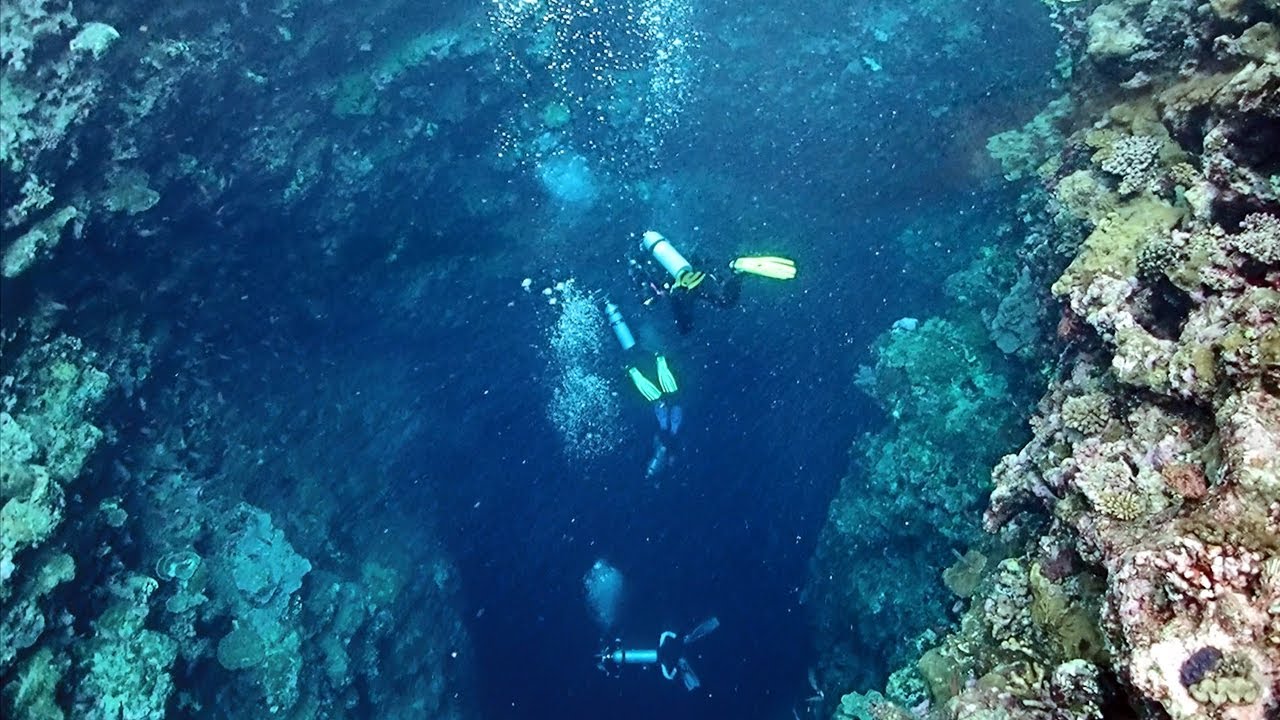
{"x": 640, "y": 358}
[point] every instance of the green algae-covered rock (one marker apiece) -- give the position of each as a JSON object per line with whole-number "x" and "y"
{"x": 242, "y": 648}
{"x": 263, "y": 565}
{"x": 33, "y": 692}
{"x": 125, "y": 666}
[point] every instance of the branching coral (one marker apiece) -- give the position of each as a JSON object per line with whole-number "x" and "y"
{"x": 1087, "y": 414}
{"x": 1259, "y": 238}
{"x": 1135, "y": 160}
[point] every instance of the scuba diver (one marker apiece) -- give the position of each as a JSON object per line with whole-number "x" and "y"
{"x": 662, "y": 271}
{"x": 669, "y": 655}
{"x": 668, "y": 413}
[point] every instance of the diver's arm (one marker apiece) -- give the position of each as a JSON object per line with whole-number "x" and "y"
{"x": 722, "y": 293}
{"x": 730, "y": 291}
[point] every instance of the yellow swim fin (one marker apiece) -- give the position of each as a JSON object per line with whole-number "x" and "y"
{"x": 770, "y": 266}
{"x": 665, "y": 378}
{"x": 644, "y": 385}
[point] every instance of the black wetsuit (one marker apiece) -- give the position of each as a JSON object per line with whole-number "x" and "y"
{"x": 720, "y": 290}
{"x": 713, "y": 290}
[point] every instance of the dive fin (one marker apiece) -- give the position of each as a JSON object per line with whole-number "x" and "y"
{"x": 644, "y": 385}
{"x": 665, "y": 377}
{"x": 770, "y": 266}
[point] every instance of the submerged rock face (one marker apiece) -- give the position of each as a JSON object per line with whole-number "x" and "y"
{"x": 1141, "y": 523}
{"x": 914, "y": 492}
{"x": 153, "y": 561}
{"x": 142, "y": 587}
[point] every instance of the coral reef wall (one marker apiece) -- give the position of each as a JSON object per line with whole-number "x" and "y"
{"x": 197, "y": 478}
{"x": 952, "y": 389}
{"x": 154, "y": 113}
{"x": 1133, "y": 567}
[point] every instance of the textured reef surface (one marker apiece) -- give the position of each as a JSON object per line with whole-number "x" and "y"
{"x": 1132, "y": 566}
{"x": 172, "y": 542}
{"x": 121, "y": 572}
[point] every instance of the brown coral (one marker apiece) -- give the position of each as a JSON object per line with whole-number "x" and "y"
{"x": 1158, "y": 257}
{"x": 1184, "y": 174}
{"x": 1121, "y": 504}
{"x": 1186, "y": 479}
{"x": 962, "y": 577}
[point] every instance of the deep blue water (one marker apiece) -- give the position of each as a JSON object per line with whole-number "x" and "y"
{"x": 729, "y": 534}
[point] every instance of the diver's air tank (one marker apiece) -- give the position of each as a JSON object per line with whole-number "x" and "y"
{"x": 619, "y": 325}
{"x": 634, "y": 657}
{"x": 622, "y": 656}
{"x": 665, "y": 253}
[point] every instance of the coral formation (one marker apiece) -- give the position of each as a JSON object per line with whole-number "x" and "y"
{"x": 1140, "y": 522}
{"x": 1022, "y": 153}
{"x": 46, "y": 437}
{"x": 920, "y": 484}
{"x": 1087, "y": 414}
{"x": 154, "y": 561}
{"x": 126, "y": 665}
{"x": 173, "y": 573}
{"x": 963, "y": 577}
{"x": 1135, "y": 160}
{"x": 1182, "y": 297}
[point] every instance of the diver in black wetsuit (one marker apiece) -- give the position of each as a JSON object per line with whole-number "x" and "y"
{"x": 661, "y": 394}
{"x": 651, "y": 270}
{"x": 670, "y": 655}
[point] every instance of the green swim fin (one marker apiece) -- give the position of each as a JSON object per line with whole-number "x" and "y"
{"x": 665, "y": 378}
{"x": 644, "y": 385}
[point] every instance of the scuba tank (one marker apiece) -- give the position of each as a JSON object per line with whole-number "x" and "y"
{"x": 618, "y": 324}
{"x": 666, "y": 254}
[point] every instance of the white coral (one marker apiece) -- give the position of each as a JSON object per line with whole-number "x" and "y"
{"x": 1135, "y": 160}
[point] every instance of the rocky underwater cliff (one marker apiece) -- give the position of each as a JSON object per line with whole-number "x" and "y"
{"x": 1131, "y": 567}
